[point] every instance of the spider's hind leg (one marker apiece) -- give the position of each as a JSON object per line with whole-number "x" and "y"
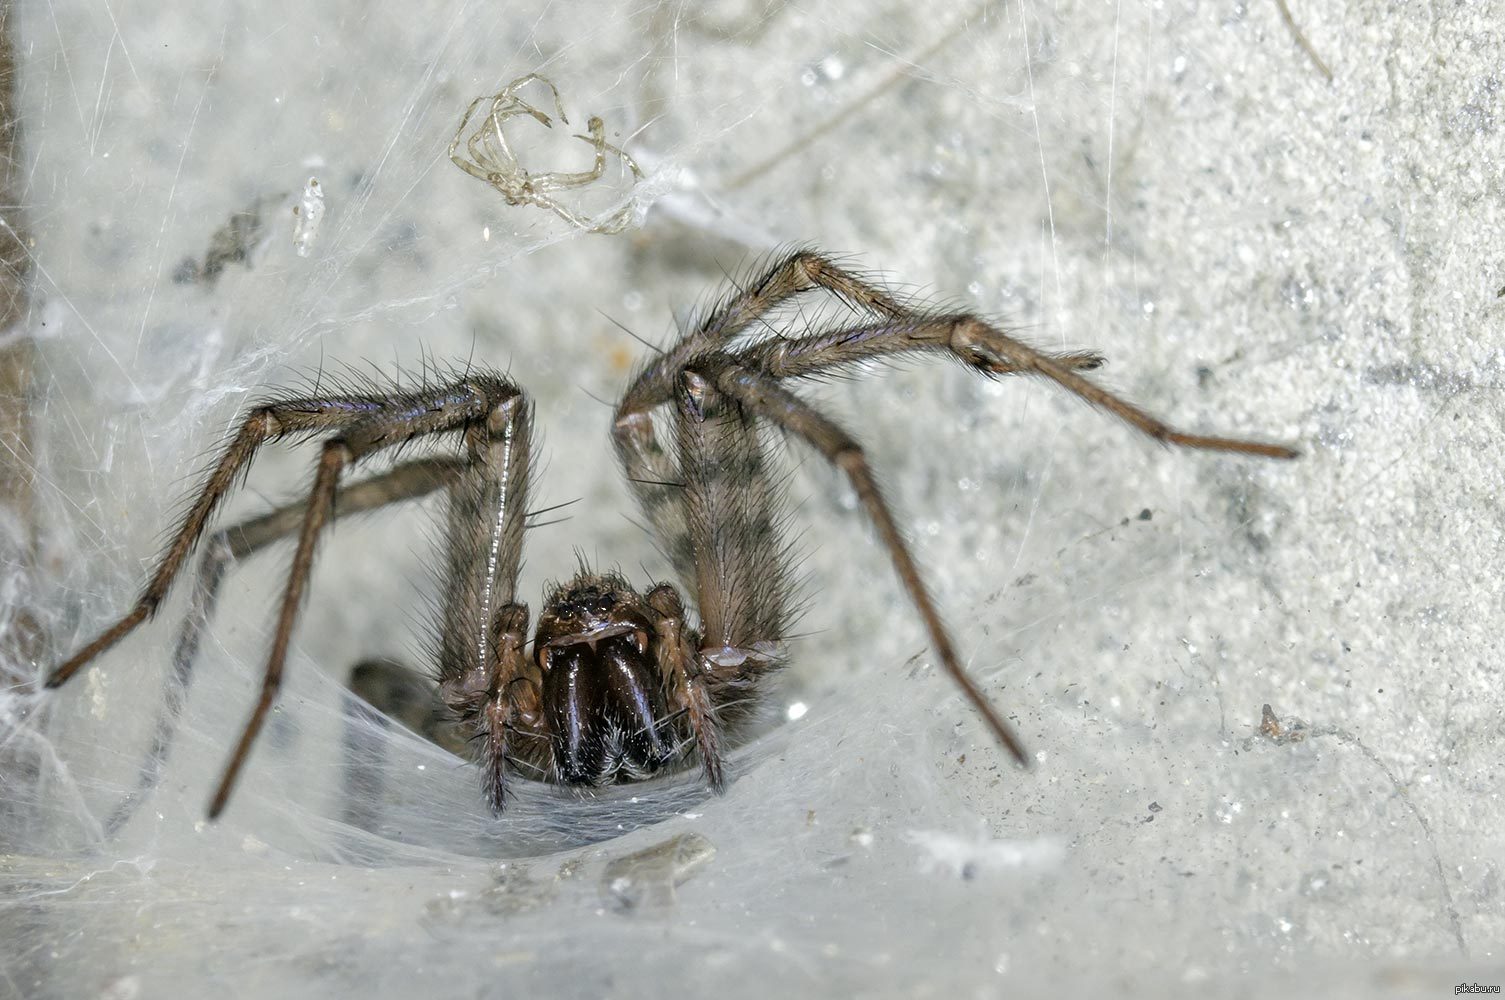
{"x": 763, "y": 396}
{"x": 222, "y": 552}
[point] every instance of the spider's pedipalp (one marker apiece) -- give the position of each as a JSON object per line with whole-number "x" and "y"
{"x": 687, "y": 684}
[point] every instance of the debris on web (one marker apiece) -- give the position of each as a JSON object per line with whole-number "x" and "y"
{"x": 487, "y": 155}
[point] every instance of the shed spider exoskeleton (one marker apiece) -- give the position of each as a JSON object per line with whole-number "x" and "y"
{"x": 491, "y": 158}
{"x": 619, "y": 684}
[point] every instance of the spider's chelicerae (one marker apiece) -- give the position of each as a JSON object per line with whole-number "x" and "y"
{"x": 617, "y": 684}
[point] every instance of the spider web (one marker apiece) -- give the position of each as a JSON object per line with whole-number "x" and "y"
{"x": 1170, "y": 186}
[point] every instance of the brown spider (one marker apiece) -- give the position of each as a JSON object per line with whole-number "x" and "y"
{"x": 618, "y": 684}
{"x": 491, "y": 158}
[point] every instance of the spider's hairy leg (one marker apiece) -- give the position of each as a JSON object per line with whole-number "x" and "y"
{"x": 653, "y": 474}
{"x": 819, "y": 353}
{"x": 793, "y": 274}
{"x": 226, "y": 547}
{"x": 716, "y": 513}
{"x": 334, "y": 457}
{"x": 739, "y": 560}
{"x": 386, "y": 421}
{"x": 734, "y": 515}
{"x": 764, "y": 397}
{"x": 264, "y": 423}
{"x": 484, "y": 536}
{"x": 683, "y": 494}
{"x": 483, "y": 674}
{"x": 985, "y": 348}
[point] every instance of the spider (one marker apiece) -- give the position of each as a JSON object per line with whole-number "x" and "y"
{"x": 491, "y": 159}
{"x": 619, "y": 683}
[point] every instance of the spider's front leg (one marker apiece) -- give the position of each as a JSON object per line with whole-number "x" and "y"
{"x": 983, "y": 347}
{"x": 793, "y": 275}
{"x": 654, "y": 474}
{"x": 484, "y": 674}
{"x": 488, "y": 407}
{"x": 692, "y": 499}
{"x": 265, "y": 423}
{"x": 494, "y": 415}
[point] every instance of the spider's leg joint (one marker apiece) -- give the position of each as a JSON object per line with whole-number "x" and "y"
{"x": 809, "y": 264}
{"x": 633, "y": 426}
{"x": 271, "y": 427}
{"x": 510, "y": 624}
{"x": 694, "y": 388}
{"x": 339, "y": 452}
{"x": 665, "y": 600}
{"x": 969, "y": 339}
{"x": 497, "y": 421}
{"x": 463, "y": 693}
{"x": 850, "y": 459}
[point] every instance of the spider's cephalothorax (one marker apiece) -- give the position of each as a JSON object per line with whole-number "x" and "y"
{"x": 619, "y": 684}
